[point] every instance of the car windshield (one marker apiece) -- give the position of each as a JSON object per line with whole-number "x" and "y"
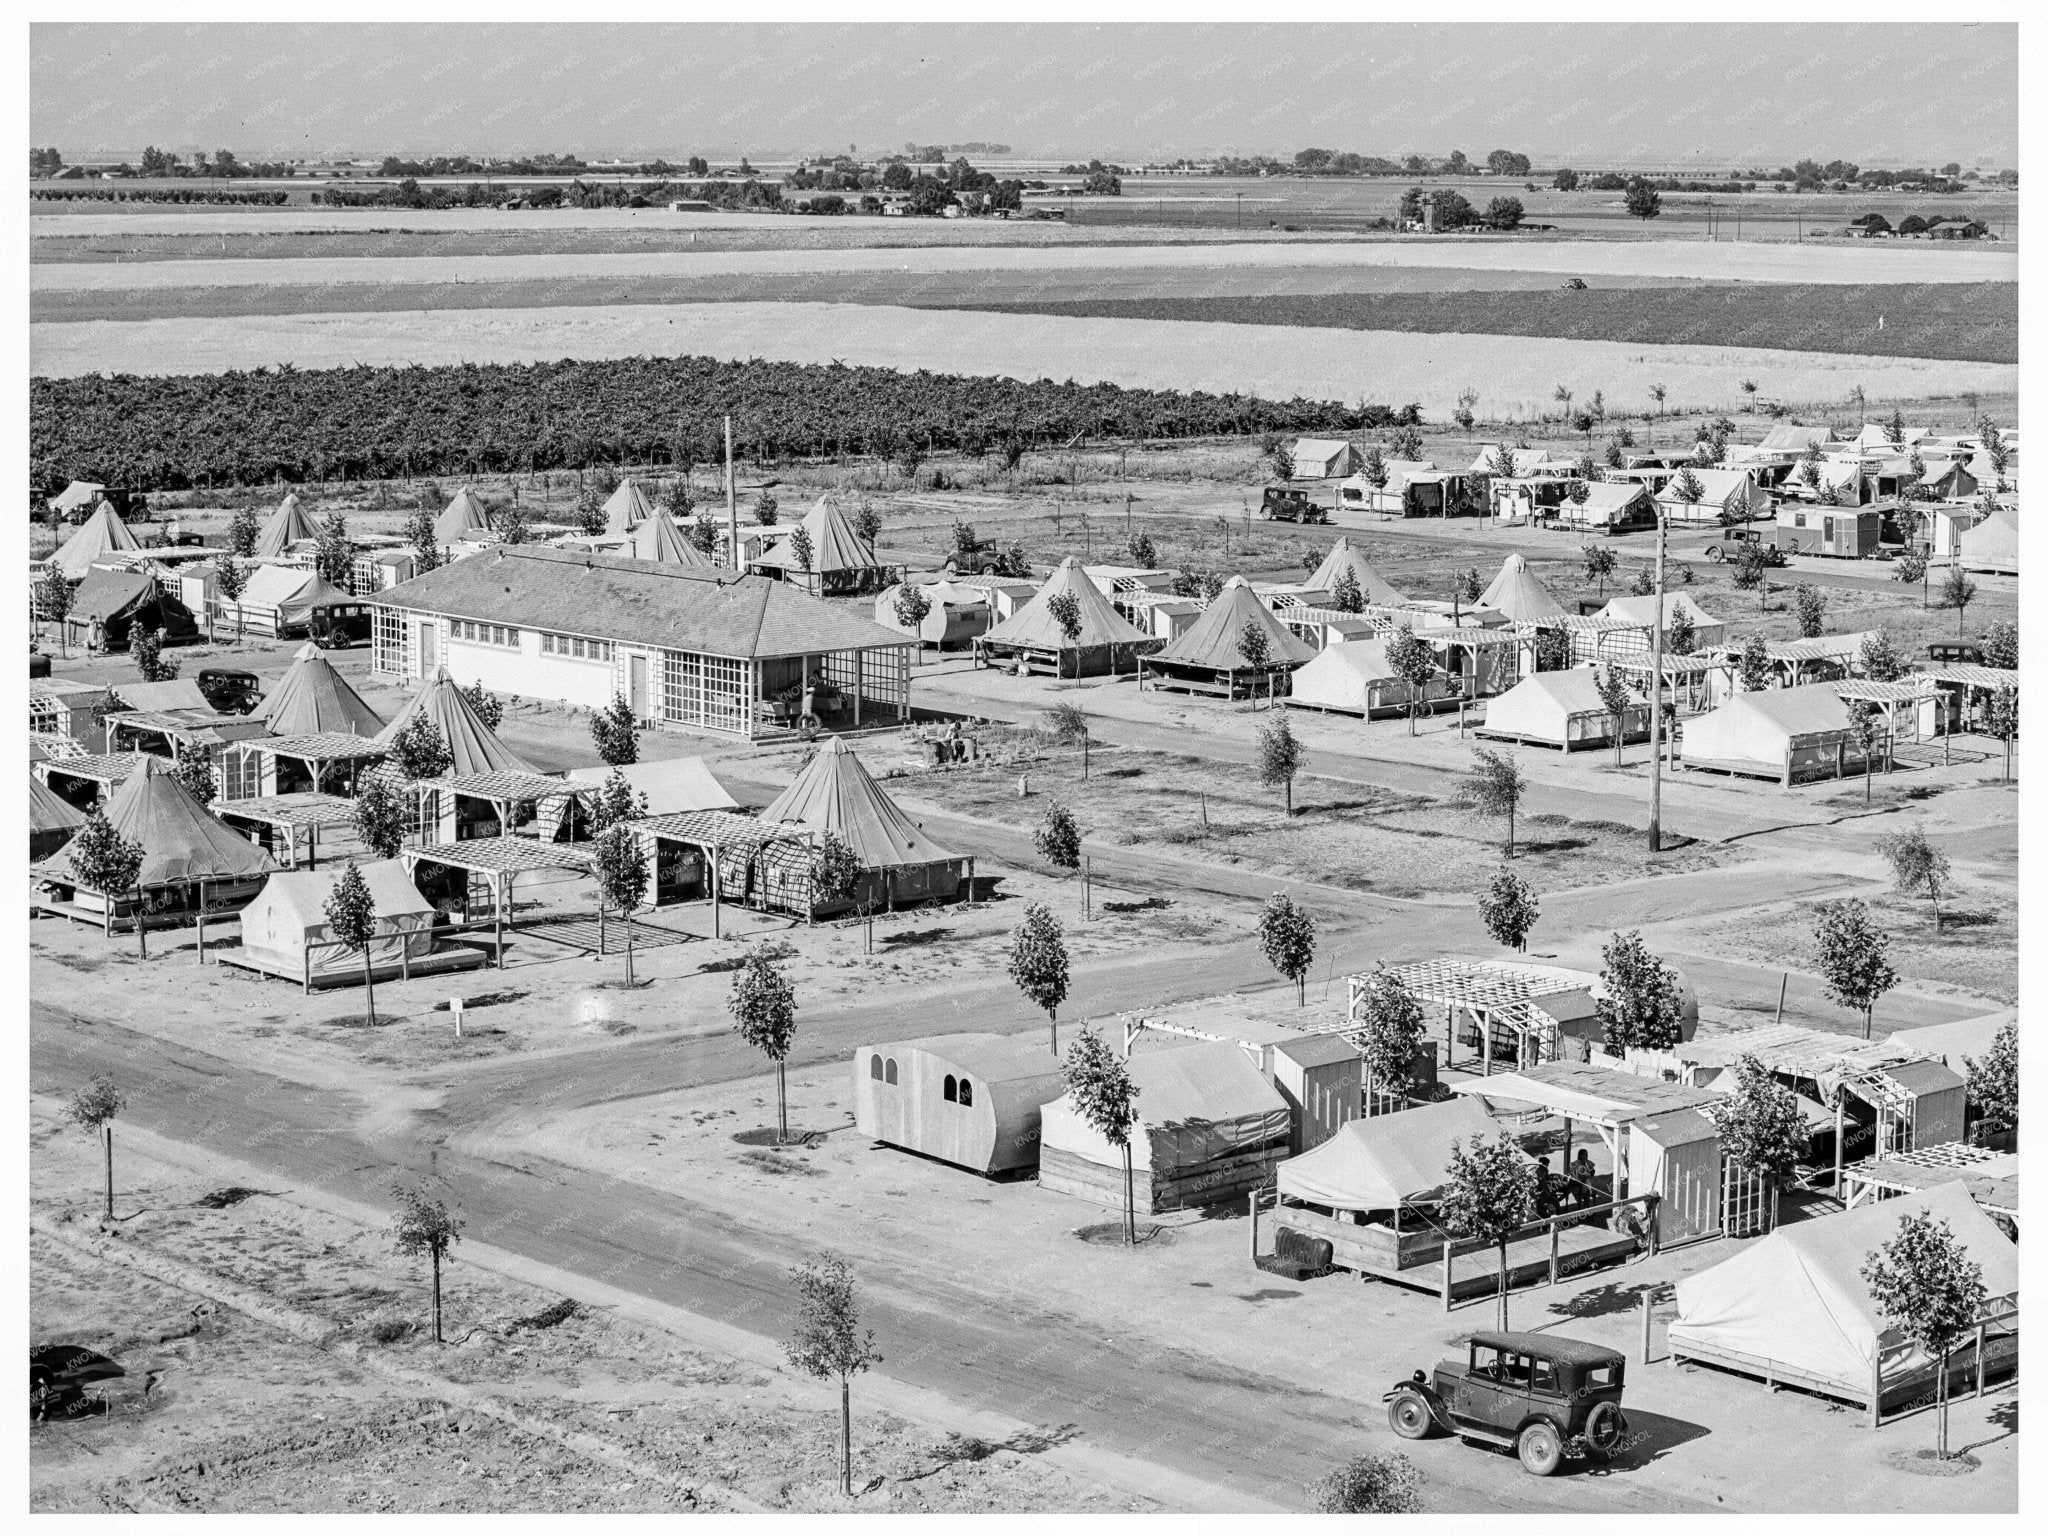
{"x": 1485, "y": 1361}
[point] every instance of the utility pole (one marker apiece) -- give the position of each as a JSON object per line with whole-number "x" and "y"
{"x": 1657, "y": 700}
{"x": 732, "y": 501}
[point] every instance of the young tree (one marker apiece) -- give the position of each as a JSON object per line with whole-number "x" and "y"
{"x": 515, "y": 524}
{"x": 1345, "y": 595}
{"x": 800, "y": 548}
{"x": 420, "y": 751}
{"x": 619, "y": 860}
{"x": 1752, "y": 571}
{"x": 1373, "y": 468}
{"x": 1849, "y": 951}
{"x": 616, "y": 801}
{"x": 765, "y": 509}
{"x": 1390, "y": 1027}
{"x": 1107, "y": 1100}
{"x": 703, "y": 536}
{"x": 1640, "y": 1005}
{"x": 1495, "y": 787}
{"x": 1280, "y": 757}
{"x": 93, "y": 1109}
{"x": 835, "y": 870}
{"x": 334, "y": 555}
{"x": 2002, "y": 720}
{"x": 1058, "y": 838}
{"x": 1414, "y": 663}
{"x": 1882, "y": 661}
{"x": 147, "y": 647}
{"x": 1928, "y": 1287}
{"x": 1615, "y": 700}
{"x": 419, "y": 533}
{"x": 1918, "y": 867}
{"x": 109, "y": 864}
{"x": 1753, "y": 667}
{"x": 380, "y": 820}
{"x": 1643, "y": 201}
{"x": 244, "y": 529}
{"x": 1645, "y": 584}
{"x": 1065, "y": 609}
{"x": 1553, "y": 650}
{"x": 231, "y": 580}
{"x": 1508, "y": 906}
{"x": 867, "y": 522}
{"x": 352, "y": 923}
{"x": 1143, "y": 553}
{"x": 1599, "y": 564}
{"x": 2002, "y": 645}
{"x": 1491, "y": 1195}
{"x": 1957, "y": 592}
{"x": 763, "y": 1008}
{"x": 615, "y": 734}
{"x": 194, "y": 770}
{"x": 488, "y": 706}
{"x": 1038, "y": 963}
{"x": 1811, "y": 604}
{"x": 1760, "y": 1125}
{"x": 423, "y": 1225}
{"x": 1256, "y": 650}
{"x": 1993, "y": 1095}
{"x": 1373, "y": 1484}
{"x": 1287, "y": 936}
{"x": 53, "y": 598}
{"x": 912, "y": 604}
{"x": 1065, "y": 724}
{"x": 829, "y": 1341}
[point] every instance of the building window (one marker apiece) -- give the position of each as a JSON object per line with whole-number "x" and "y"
{"x": 576, "y": 646}
{"x": 889, "y": 1071}
{"x": 483, "y": 634}
{"x": 952, "y": 1089}
{"x": 389, "y": 633}
{"x": 875, "y": 1068}
{"x": 966, "y": 1092}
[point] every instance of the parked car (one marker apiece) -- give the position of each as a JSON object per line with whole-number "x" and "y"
{"x": 1546, "y": 1398}
{"x": 1286, "y": 505}
{"x": 229, "y": 691}
{"x": 340, "y": 626}
{"x": 1967, "y": 651}
{"x": 1732, "y": 540}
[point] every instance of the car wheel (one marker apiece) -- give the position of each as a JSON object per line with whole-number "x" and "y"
{"x": 1409, "y": 1417}
{"x": 1714, "y": 554}
{"x": 1605, "y": 1427}
{"x": 1540, "y": 1449}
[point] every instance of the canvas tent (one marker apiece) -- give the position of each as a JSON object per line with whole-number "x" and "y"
{"x": 1388, "y": 1161}
{"x": 312, "y": 697}
{"x": 1346, "y": 556}
{"x": 1562, "y": 709}
{"x": 1526, "y": 460}
{"x": 1787, "y": 734}
{"x": 279, "y": 600}
{"x": 51, "y": 820}
{"x": 627, "y": 508}
{"x": 285, "y": 928}
{"x": 100, "y": 535}
{"x": 75, "y": 496}
{"x": 1993, "y": 545}
{"x": 287, "y": 526}
{"x": 1322, "y": 458}
{"x": 657, "y": 538}
{"x": 110, "y": 606}
{"x": 1794, "y": 1308}
{"x": 1611, "y": 506}
{"x": 1708, "y": 631}
{"x": 1210, "y": 1128}
{"x": 673, "y": 786}
{"x": 473, "y": 746}
{"x": 836, "y": 794}
{"x": 1210, "y": 656}
{"x": 841, "y": 560}
{"x": 1955, "y": 1045}
{"x": 970, "y": 1099}
{"x": 1353, "y": 677}
{"x": 1518, "y": 593}
{"x": 1727, "y": 496}
{"x": 462, "y": 518}
{"x": 1108, "y": 642}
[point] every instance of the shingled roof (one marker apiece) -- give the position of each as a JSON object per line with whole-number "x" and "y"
{"x": 638, "y": 602}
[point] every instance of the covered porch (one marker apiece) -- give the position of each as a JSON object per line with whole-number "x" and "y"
{"x": 324, "y": 763}
{"x": 275, "y": 823}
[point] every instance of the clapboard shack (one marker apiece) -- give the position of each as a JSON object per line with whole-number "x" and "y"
{"x": 969, "y": 1099}
{"x": 1211, "y": 1127}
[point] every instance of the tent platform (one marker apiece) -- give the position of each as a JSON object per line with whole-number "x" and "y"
{"x": 1896, "y": 1393}
{"x": 124, "y": 922}
{"x": 1370, "y": 1250}
{"x": 456, "y": 957}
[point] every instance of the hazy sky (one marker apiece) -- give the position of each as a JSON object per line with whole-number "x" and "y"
{"x": 1717, "y": 96}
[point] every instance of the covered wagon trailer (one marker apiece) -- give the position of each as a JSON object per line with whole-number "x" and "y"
{"x": 973, "y": 1100}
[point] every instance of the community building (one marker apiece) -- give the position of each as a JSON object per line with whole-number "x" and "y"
{"x": 699, "y": 649}
{"x": 973, "y": 1100}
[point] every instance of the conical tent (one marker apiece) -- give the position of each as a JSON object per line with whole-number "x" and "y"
{"x": 312, "y": 697}
{"x": 1517, "y": 593}
{"x": 180, "y": 839}
{"x": 100, "y": 535}
{"x": 658, "y": 538}
{"x": 1343, "y": 556}
{"x": 1034, "y": 624}
{"x": 287, "y": 526}
{"x": 627, "y": 508}
{"x": 460, "y": 518}
{"x": 473, "y": 747}
{"x": 835, "y": 794}
{"x": 1216, "y": 640}
{"x": 836, "y": 545}
{"x": 51, "y": 819}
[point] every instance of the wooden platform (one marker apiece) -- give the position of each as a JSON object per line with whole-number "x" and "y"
{"x": 578, "y": 931}
{"x": 1220, "y": 1181}
{"x": 456, "y": 957}
{"x": 1417, "y": 1259}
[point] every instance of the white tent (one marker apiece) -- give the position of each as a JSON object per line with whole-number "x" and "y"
{"x": 1956, "y": 1045}
{"x": 1527, "y": 460}
{"x": 1993, "y": 545}
{"x": 1796, "y": 1307}
{"x": 1779, "y": 733}
{"x": 1353, "y": 677}
{"x": 1323, "y": 458}
{"x": 627, "y": 508}
{"x": 1562, "y": 709}
{"x": 1726, "y": 495}
{"x": 289, "y": 914}
{"x": 100, "y": 535}
{"x": 79, "y": 493}
{"x": 1388, "y": 1160}
{"x": 1346, "y": 556}
{"x": 1518, "y": 593}
{"x": 278, "y": 598}
{"x": 1610, "y": 505}
{"x": 464, "y": 517}
{"x": 287, "y": 526}
{"x": 672, "y": 786}
{"x": 1708, "y": 631}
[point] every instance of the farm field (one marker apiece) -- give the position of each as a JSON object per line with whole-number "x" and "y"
{"x": 1517, "y": 375}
